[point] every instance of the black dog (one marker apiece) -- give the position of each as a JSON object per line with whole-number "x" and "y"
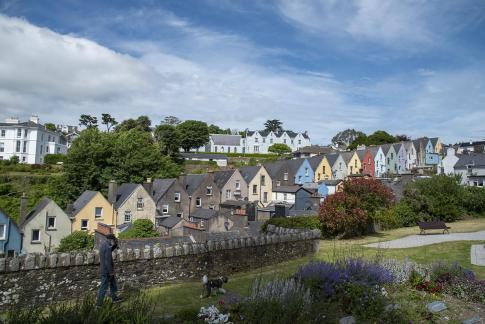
{"x": 210, "y": 285}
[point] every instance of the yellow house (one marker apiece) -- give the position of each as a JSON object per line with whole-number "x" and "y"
{"x": 260, "y": 184}
{"x": 323, "y": 170}
{"x": 353, "y": 164}
{"x": 90, "y": 209}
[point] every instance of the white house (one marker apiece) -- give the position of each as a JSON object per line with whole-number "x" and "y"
{"x": 222, "y": 143}
{"x": 411, "y": 155}
{"x": 260, "y": 141}
{"x": 379, "y": 161}
{"x": 447, "y": 164}
{"x": 471, "y": 168}
{"x": 30, "y": 141}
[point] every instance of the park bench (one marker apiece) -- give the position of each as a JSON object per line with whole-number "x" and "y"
{"x": 433, "y": 225}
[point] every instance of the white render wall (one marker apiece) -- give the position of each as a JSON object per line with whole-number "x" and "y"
{"x": 256, "y": 143}
{"x": 280, "y": 196}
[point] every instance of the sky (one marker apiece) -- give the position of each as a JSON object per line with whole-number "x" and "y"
{"x": 414, "y": 67}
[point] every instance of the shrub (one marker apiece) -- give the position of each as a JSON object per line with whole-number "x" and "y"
{"x": 141, "y": 228}
{"x": 54, "y": 158}
{"x": 388, "y": 218}
{"x": 78, "y": 240}
{"x": 474, "y": 200}
{"x": 405, "y": 214}
{"x": 341, "y": 216}
{"x": 310, "y": 222}
{"x": 373, "y": 195}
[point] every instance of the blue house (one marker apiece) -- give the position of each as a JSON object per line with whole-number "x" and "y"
{"x": 430, "y": 157}
{"x": 10, "y": 236}
{"x": 304, "y": 173}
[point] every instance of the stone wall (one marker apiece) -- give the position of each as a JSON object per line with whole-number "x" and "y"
{"x": 42, "y": 279}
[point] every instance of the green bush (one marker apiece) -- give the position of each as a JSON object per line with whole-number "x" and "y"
{"x": 405, "y": 214}
{"x": 141, "y": 228}
{"x": 388, "y": 218}
{"x": 78, "y": 240}
{"x": 474, "y": 200}
{"x": 310, "y": 222}
{"x": 54, "y": 158}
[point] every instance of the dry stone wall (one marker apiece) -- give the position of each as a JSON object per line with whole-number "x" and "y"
{"x": 37, "y": 279}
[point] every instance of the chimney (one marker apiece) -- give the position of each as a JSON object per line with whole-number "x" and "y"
{"x": 148, "y": 185}
{"x": 23, "y": 207}
{"x": 69, "y": 209}
{"x": 34, "y": 119}
{"x": 112, "y": 191}
{"x": 12, "y": 120}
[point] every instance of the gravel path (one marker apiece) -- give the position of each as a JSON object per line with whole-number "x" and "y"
{"x": 420, "y": 240}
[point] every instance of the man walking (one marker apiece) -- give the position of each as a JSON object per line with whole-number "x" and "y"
{"x": 107, "y": 269}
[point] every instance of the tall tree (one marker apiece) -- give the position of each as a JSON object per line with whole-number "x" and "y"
{"x": 360, "y": 140}
{"x": 273, "y": 125}
{"x": 402, "y": 138}
{"x": 50, "y": 126}
{"x": 108, "y": 120}
{"x": 380, "y": 137}
{"x": 168, "y": 139}
{"x": 193, "y": 134}
{"x": 171, "y": 120}
{"x": 345, "y": 137}
{"x": 214, "y": 129}
{"x": 142, "y": 123}
{"x": 88, "y": 121}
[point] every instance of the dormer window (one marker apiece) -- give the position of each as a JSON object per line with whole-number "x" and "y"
{"x": 198, "y": 202}
{"x": 209, "y": 191}
{"x": 285, "y": 176}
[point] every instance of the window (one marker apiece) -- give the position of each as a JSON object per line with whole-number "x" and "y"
{"x": 278, "y": 183}
{"x": 19, "y": 132}
{"x": 264, "y": 140}
{"x": 84, "y": 224}
{"x": 355, "y": 163}
{"x": 285, "y": 196}
{"x": 388, "y": 160}
{"x": 98, "y": 212}
{"x": 228, "y": 149}
{"x": 47, "y": 148}
{"x": 209, "y": 191}
{"x": 292, "y": 142}
{"x": 255, "y": 189}
{"x": 2, "y": 134}
{"x": 265, "y": 197}
{"x": 48, "y": 138}
{"x": 235, "y": 149}
{"x": 181, "y": 215}
{"x": 3, "y": 231}
{"x": 285, "y": 176}
{"x": 238, "y": 185}
{"x": 216, "y": 149}
{"x": 271, "y": 140}
{"x": 263, "y": 180}
{"x": 299, "y": 141}
{"x": 319, "y": 176}
{"x": 51, "y": 222}
{"x": 24, "y": 149}
{"x": 340, "y": 166}
{"x": 2, "y": 147}
{"x": 140, "y": 204}
{"x": 25, "y": 133}
{"x": 127, "y": 216}
{"x": 256, "y": 148}
{"x": 177, "y": 197}
{"x": 284, "y": 141}
{"x": 212, "y": 206}
{"x": 17, "y": 148}
{"x": 165, "y": 209}
{"x": 228, "y": 194}
{"x": 299, "y": 178}
{"x": 198, "y": 202}
{"x": 306, "y": 172}
{"x": 42, "y": 137}
{"x": 323, "y": 169}
{"x": 41, "y": 148}
{"x": 256, "y": 140}
{"x": 35, "y": 236}
{"x": 392, "y": 155}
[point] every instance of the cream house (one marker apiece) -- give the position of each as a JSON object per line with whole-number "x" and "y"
{"x": 259, "y": 184}
{"x": 90, "y": 209}
{"x": 133, "y": 202}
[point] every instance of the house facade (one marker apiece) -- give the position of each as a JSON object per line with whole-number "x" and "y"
{"x": 304, "y": 173}
{"x": 259, "y": 184}
{"x": 352, "y": 161}
{"x": 203, "y": 192}
{"x": 133, "y": 202}
{"x": 30, "y": 141}
{"x": 170, "y": 198}
{"x": 411, "y": 155}
{"x": 391, "y": 159}
{"x": 400, "y": 157}
{"x": 222, "y": 143}
{"x": 44, "y": 227}
{"x": 471, "y": 168}
{"x": 379, "y": 161}
{"x": 90, "y": 209}
{"x": 339, "y": 168}
{"x": 447, "y": 164}
{"x": 10, "y": 236}
{"x": 260, "y": 141}
{"x": 231, "y": 184}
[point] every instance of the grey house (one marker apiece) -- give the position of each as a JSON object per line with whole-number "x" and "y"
{"x": 172, "y": 226}
{"x": 170, "y": 198}
{"x": 203, "y": 192}
{"x": 471, "y": 168}
{"x": 232, "y": 185}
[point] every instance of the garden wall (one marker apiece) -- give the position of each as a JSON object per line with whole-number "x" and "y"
{"x": 36, "y": 279}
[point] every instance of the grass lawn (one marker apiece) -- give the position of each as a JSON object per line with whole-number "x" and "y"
{"x": 172, "y": 298}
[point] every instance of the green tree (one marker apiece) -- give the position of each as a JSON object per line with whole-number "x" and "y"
{"x": 402, "y": 138}
{"x": 345, "y": 137}
{"x": 141, "y": 228}
{"x": 88, "y": 121}
{"x": 360, "y": 140}
{"x": 171, "y": 120}
{"x": 380, "y": 137}
{"x": 54, "y": 158}
{"x": 142, "y": 123}
{"x": 50, "y": 126}
{"x": 168, "y": 139}
{"x": 193, "y": 134}
{"x": 273, "y": 125}
{"x": 108, "y": 120}
{"x": 214, "y": 129}
{"x": 78, "y": 240}
{"x": 279, "y": 149}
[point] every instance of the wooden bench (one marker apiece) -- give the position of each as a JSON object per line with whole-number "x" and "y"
{"x": 433, "y": 225}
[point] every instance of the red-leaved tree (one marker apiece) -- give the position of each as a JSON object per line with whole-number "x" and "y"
{"x": 372, "y": 194}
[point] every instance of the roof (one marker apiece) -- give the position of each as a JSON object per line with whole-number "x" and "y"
{"x": 290, "y": 133}
{"x": 295, "y": 164}
{"x": 347, "y": 156}
{"x": 222, "y": 139}
{"x": 234, "y": 203}
{"x": 171, "y": 221}
{"x": 124, "y": 191}
{"x": 82, "y": 201}
{"x": 291, "y": 189}
{"x": 222, "y": 177}
{"x": 408, "y": 144}
{"x": 331, "y": 182}
{"x": 434, "y": 141}
{"x": 373, "y": 150}
{"x": 193, "y": 181}
{"x": 160, "y": 187}
{"x": 315, "y": 161}
{"x": 274, "y": 167}
{"x": 203, "y": 213}
{"x": 385, "y": 148}
{"x": 315, "y": 149}
{"x": 30, "y": 124}
{"x": 207, "y": 156}
{"x": 468, "y": 144}
{"x": 361, "y": 154}
{"x": 12, "y": 221}
{"x": 397, "y": 146}
{"x": 474, "y": 159}
{"x": 249, "y": 172}
{"x": 37, "y": 209}
{"x": 332, "y": 158}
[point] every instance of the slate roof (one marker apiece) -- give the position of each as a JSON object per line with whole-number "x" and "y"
{"x": 222, "y": 177}
{"x": 220, "y": 139}
{"x": 234, "y": 203}
{"x": 273, "y": 168}
{"x": 203, "y": 213}
{"x": 347, "y": 156}
{"x": 290, "y": 133}
{"x": 385, "y": 148}
{"x": 171, "y": 221}
{"x": 207, "y": 156}
{"x": 40, "y": 205}
{"x": 294, "y": 165}
{"x": 361, "y": 154}
{"x": 315, "y": 161}
{"x": 124, "y": 191}
{"x": 160, "y": 187}
{"x": 291, "y": 189}
{"x": 193, "y": 182}
{"x": 82, "y": 201}
{"x": 474, "y": 159}
{"x": 434, "y": 140}
{"x": 315, "y": 149}
{"x": 249, "y": 172}
{"x": 332, "y": 158}
{"x": 330, "y": 182}
{"x": 468, "y": 144}
{"x": 24, "y": 124}
{"x": 373, "y": 150}
{"x": 397, "y": 147}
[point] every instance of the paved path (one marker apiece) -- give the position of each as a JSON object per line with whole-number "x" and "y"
{"x": 420, "y": 240}
{"x": 477, "y": 255}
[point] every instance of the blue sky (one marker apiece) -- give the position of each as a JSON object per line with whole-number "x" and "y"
{"x": 414, "y": 67}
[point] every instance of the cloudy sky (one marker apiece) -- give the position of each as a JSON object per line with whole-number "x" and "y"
{"x": 415, "y": 67}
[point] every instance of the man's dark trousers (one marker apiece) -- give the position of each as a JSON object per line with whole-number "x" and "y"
{"x": 107, "y": 280}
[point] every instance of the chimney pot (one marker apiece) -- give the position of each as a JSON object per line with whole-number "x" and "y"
{"x": 23, "y": 207}
{"x": 112, "y": 191}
